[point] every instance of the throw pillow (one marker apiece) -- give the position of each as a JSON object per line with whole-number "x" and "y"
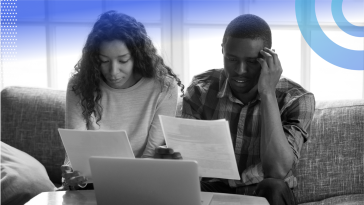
{"x": 22, "y": 176}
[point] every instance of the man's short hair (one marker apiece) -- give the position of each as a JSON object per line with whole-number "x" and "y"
{"x": 249, "y": 26}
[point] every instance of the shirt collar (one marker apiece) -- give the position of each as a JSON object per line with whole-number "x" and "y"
{"x": 224, "y": 87}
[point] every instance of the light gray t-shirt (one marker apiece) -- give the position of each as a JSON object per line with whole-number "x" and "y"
{"x": 133, "y": 109}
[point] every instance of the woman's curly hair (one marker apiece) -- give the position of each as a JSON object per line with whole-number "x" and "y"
{"x": 111, "y": 26}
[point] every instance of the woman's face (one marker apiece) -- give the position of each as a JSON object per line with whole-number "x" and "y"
{"x": 117, "y": 65}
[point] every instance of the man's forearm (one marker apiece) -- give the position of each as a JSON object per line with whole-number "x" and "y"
{"x": 275, "y": 152}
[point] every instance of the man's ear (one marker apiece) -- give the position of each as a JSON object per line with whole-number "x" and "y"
{"x": 222, "y": 48}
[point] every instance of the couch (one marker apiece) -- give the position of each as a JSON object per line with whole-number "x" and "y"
{"x": 331, "y": 168}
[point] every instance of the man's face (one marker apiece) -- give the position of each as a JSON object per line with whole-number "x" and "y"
{"x": 240, "y": 62}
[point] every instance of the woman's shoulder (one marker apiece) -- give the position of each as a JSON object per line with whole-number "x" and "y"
{"x": 70, "y": 92}
{"x": 161, "y": 85}
{"x": 170, "y": 85}
{"x": 71, "y": 82}
{"x": 170, "y": 88}
{"x": 73, "y": 90}
{"x": 171, "y": 81}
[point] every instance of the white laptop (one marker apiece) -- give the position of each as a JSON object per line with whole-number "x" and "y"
{"x": 145, "y": 181}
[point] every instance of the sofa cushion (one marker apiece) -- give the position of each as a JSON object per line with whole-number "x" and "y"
{"x": 29, "y": 121}
{"x": 355, "y": 199}
{"x": 331, "y": 162}
{"x": 22, "y": 176}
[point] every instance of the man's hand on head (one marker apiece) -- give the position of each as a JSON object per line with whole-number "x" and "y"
{"x": 163, "y": 152}
{"x": 270, "y": 73}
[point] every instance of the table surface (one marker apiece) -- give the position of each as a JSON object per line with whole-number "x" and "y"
{"x": 87, "y": 197}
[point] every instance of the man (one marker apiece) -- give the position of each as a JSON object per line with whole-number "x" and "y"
{"x": 268, "y": 115}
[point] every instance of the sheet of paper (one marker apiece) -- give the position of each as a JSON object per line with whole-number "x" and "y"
{"x": 206, "y": 198}
{"x": 81, "y": 145}
{"x": 207, "y": 142}
{"x": 235, "y": 199}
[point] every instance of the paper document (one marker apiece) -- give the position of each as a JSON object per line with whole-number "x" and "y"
{"x": 206, "y": 198}
{"x": 80, "y": 145}
{"x": 235, "y": 199}
{"x": 206, "y": 141}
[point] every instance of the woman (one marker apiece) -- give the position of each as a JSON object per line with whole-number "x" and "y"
{"x": 120, "y": 83}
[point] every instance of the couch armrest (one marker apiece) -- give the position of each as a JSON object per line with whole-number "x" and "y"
{"x": 29, "y": 121}
{"x": 331, "y": 162}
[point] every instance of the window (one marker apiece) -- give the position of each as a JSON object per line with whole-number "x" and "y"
{"x": 188, "y": 35}
{"x": 30, "y": 66}
{"x": 69, "y": 41}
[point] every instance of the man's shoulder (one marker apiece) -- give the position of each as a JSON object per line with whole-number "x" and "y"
{"x": 205, "y": 85}
{"x": 286, "y": 85}
{"x": 205, "y": 82}
{"x": 209, "y": 76}
{"x": 288, "y": 91}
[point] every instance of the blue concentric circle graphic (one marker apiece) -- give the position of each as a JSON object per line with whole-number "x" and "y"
{"x": 322, "y": 45}
{"x": 345, "y": 25}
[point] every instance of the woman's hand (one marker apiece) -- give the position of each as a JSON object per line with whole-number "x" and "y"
{"x": 72, "y": 178}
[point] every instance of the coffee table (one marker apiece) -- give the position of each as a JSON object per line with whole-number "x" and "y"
{"x": 87, "y": 197}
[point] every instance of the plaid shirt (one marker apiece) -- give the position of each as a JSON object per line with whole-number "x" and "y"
{"x": 209, "y": 98}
